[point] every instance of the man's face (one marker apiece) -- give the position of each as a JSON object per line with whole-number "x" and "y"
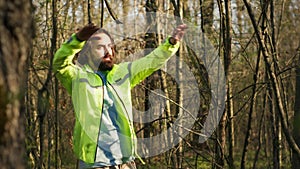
{"x": 102, "y": 54}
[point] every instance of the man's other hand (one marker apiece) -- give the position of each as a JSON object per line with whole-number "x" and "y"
{"x": 86, "y": 32}
{"x": 178, "y": 34}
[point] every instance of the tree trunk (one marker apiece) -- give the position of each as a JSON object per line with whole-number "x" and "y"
{"x": 296, "y": 126}
{"x": 15, "y": 44}
{"x": 225, "y": 36}
{"x": 207, "y": 15}
{"x": 179, "y": 95}
{"x": 260, "y": 131}
{"x": 126, "y": 5}
{"x": 227, "y": 59}
{"x": 276, "y": 127}
{"x": 52, "y": 51}
{"x": 57, "y": 127}
{"x": 151, "y": 43}
{"x": 251, "y": 111}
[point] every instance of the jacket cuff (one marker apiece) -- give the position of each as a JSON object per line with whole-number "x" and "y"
{"x": 169, "y": 43}
{"x": 74, "y": 41}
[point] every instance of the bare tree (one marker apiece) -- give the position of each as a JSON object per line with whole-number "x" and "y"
{"x": 250, "y": 114}
{"x": 227, "y": 60}
{"x": 274, "y": 83}
{"x": 264, "y": 98}
{"x": 225, "y": 38}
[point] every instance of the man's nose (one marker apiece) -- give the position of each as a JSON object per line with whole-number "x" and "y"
{"x": 108, "y": 50}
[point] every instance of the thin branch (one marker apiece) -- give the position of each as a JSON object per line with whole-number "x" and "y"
{"x": 274, "y": 83}
{"x": 89, "y": 12}
{"x": 112, "y": 13}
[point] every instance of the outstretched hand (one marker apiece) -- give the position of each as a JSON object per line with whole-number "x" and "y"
{"x": 86, "y": 32}
{"x": 178, "y": 34}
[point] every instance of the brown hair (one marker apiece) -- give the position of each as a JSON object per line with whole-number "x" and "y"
{"x": 85, "y": 51}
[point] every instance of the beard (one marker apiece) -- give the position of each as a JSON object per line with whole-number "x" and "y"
{"x": 105, "y": 66}
{"x": 106, "y": 63}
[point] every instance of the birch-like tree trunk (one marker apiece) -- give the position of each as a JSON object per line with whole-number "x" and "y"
{"x": 276, "y": 127}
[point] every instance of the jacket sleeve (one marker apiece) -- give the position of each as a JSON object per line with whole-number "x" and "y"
{"x": 63, "y": 66}
{"x": 144, "y": 67}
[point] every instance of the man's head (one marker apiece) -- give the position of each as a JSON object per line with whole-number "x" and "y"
{"x": 99, "y": 51}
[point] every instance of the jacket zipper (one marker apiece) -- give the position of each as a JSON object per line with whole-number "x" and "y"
{"x": 100, "y": 116}
{"x": 130, "y": 124}
{"x": 131, "y": 127}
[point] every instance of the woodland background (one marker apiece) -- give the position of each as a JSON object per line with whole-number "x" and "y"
{"x": 258, "y": 42}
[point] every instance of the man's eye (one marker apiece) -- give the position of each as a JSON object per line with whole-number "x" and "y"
{"x": 100, "y": 47}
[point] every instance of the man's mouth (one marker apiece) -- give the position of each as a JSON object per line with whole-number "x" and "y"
{"x": 107, "y": 58}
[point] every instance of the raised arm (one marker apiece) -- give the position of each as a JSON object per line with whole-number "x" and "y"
{"x": 63, "y": 66}
{"x": 142, "y": 68}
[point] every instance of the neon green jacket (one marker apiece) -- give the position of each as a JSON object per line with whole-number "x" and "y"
{"x": 86, "y": 90}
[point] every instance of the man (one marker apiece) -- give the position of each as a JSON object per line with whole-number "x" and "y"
{"x": 104, "y": 136}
